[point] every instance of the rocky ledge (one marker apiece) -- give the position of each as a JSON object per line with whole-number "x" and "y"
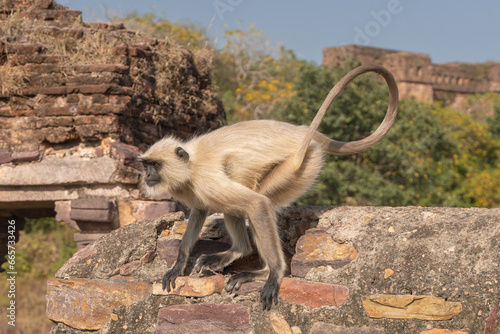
{"x": 352, "y": 270}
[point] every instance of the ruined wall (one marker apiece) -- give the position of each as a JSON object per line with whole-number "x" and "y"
{"x": 78, "y": 102}
{"x": 419, "y": 78}
{"x": 352, "y": 270}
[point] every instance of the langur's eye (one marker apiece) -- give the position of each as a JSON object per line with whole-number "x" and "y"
{"x": 156, "y": 166}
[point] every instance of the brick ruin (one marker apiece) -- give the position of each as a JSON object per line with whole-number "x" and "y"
{"x": 78, "y": 102}
{"x": 421, "y": 79}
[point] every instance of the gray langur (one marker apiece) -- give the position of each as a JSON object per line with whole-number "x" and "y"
{"x": 249, "y": 169}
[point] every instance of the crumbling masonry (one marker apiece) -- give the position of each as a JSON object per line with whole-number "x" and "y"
{"x": 421, "y": 79}
{"x": 78, "y": 102}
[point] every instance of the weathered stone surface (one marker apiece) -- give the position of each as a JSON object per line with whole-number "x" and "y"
{"x": 94, "y": 68}
{"x": 179, "y": 227}
{"x": 247, "y": 288}
{"x": 191, "y": 286}
{"x": 148, "y": 256}
{"x": 442, "y": 331}
{"x": 491, "y": 321}
{"x": 444, "y": 252}
{"x": 82, "y": 240}
{"x": 127, "y": 154}
{"x": 87, "y": 304}
{"x": 93, "y": 215}
{"x": 168, "y": 249}
{"x": 119, "y": 247}
{"x": 104, "y": 216}
{"x": 388, "y": 273}
{"x": 129, "y": 267}
{"x": 279, "y": 324}
{"x": 20, "y": 157}
{"x": 92, "y": 203}
{"x": 325, "y": 328}
{"x": 132, "y": 211}
{"x": 63, "y": 209}
{"x": 59, "y": 171}
{"x": 314, "y": 250}
{"x": 45, "y": 193}
{"x": 450, "y": 253}
{"x": 5, "y": 156}
{"x": 80, "y": 255}
{"x": 204, "y": 318}
{"x": 410, "y": 307}
{"x": 313, "y": 294}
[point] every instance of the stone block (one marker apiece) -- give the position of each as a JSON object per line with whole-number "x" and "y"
{"x": 60, "y": 171}
{"x": 127, "y": 154}
{"x": 131, "y": 211}
{"x": 87, "y": 303}
{"x": 410, "y": 307}
{"x": 52, "y": 193}
{"x": 92, "y": 203}
{"x": 103, "y": 216}
{"x": 168, "y": 249}
{"x": 192, "y": 286}
{"x": 29, "y": 156}
{"x": 314, "y": 250}
{"x": 98, "y": 68}
{"x": 24, "y": 48}
{"x": 204, "y": 318}
{"x": 63, "y": 209}
{"x": 61, "y": 16}
{"x": 129, "y": 267}
{"x": 5, "y": 156}
{"x": 313, "y": 294}
{"x": 57, "y": 135}
{"x": 249, "y": 287}
{"x": 23, "y": 59}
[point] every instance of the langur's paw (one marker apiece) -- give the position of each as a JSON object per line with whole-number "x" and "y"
{"x": 270, "y": 294}
{"x": 211, "y": 261}
{"x": 169, "y": 279}
{"x": 234, "y": 282}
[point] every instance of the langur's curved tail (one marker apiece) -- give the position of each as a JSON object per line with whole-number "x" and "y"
{"x": 339, "y": 147}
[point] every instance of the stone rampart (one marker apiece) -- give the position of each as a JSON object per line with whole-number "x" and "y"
{"x": 352, "y": 270}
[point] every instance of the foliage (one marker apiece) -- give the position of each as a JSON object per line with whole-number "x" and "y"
{"x": 494, "y": 122}
{"x": 433, "y": 156}
{"x": 43, "y": 246}
{"x": 259, "y": 74}
{"x": 184, "y": 33}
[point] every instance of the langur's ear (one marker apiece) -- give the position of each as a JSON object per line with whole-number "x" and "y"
{"x": 182, "y": 154}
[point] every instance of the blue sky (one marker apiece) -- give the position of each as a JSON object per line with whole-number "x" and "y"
{"x": 447, "y": 30}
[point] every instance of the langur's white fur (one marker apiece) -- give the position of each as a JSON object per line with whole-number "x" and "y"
{"x": 251, "y": 169}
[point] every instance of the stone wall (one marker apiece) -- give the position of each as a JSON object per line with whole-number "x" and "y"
{"x": 421, "y": 79}
{"x": 78, "y": 102}
{"x": 352, "y": 270}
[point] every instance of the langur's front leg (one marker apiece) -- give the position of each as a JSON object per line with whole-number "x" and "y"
{"x": 263, "y": 223}
{"x": 195, "y": 223}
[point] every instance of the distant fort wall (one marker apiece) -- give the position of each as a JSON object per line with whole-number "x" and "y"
{"x": 421, "y": 79}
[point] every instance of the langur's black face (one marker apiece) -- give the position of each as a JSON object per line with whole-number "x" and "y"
{"x": 151, "y": 176}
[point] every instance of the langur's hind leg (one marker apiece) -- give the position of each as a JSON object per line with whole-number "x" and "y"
{"x": 265, "y": 232}
{"x": 240, "y": 247}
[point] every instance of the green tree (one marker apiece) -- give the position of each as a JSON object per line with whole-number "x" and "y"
{"x": 412, "y": 166}
{"x": 254, "y": 73}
